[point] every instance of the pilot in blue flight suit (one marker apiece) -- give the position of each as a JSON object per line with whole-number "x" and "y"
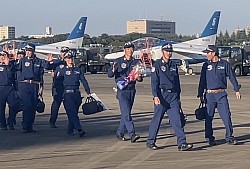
{"x": 121, "y": 68}
{"x": 166, "y": 91}
{"x": 57, "y": 85}
{"x": 7, "y": 90}
{"x": 212, "y": 91}
{"x": 20, "y": 54}
{"x": 71, "y": 77}
{"x": 30, "y": 85}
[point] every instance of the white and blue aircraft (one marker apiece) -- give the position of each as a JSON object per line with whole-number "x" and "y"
{"x": 186, "y": 53}
{"x": 73, "y": 41}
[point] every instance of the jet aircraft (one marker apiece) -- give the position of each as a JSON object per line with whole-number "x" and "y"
{"x": 73, "y": 41}
{"x": 186, "y": 53}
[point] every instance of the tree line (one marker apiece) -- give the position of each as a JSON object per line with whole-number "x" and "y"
{"x": 117, "y": 41}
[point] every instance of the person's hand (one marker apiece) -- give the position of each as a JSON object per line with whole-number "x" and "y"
{"x": 139, "y": 77}
{"x": 115, "y": 66}
{"x": 157, "y": 101}
{"x": 202, "y": 100}
{"x": 238, "y": 95}
{"x": 6, "y": 60}
{"x": 49, "y": 57}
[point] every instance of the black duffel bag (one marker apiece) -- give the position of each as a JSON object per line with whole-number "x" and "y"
{"x": 201, "y": 111}
{"x": 91, "y": 106}
{"x": 40, "y": 106}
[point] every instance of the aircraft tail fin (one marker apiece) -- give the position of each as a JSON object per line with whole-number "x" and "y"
{"x": 212, "y": 25}
{"x": 78, "y": 30}
{"x": 73, "y": 41}
{"x": 208, "y": 36}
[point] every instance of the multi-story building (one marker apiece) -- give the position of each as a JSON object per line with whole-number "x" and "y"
{"x": 7, "y": 32}
{"x": 150, "y": 27}
{"x": 48, "y": 33}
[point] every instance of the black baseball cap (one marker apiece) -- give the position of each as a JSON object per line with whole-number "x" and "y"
{"x": 210, "y": 48}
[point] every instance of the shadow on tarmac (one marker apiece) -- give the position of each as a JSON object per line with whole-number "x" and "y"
{"x": 98, "y": 126}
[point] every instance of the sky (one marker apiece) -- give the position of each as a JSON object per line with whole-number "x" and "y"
{"x": 110, "y": 16}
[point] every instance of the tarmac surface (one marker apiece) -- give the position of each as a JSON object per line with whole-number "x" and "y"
{"x": 100, "y": 149}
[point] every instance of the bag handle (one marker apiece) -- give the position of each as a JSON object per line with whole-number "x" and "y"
{"x": 202, "y": 104}
{"x": 41, "y": 97}
{"x": 90, "y": 99}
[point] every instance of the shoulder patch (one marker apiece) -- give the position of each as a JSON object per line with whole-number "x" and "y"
{"x": 61, "y": 66}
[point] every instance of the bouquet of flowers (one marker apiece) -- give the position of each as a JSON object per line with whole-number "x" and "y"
{"x": 138, "y": 70}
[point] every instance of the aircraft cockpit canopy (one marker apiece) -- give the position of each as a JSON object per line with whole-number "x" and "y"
{"x": 142, "y": 42}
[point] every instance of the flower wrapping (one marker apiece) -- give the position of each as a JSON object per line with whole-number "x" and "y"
{"x": 137, "y": 71}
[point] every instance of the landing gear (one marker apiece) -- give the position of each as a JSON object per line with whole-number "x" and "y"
{"x": 185, "y": 67}
{"x": 190, "y": 71}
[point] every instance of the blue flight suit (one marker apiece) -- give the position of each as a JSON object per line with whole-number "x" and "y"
{"x": 30, "y": 79}
{"x": 165, "y": 85}
{"x": 17, "y": 79}
{"x": 213, "y": 77}
{"x": 57, "y": 90}
{"x": 7, "y": 90}
{"x": 126, "y": 96}
{"x": 71, "y": 77}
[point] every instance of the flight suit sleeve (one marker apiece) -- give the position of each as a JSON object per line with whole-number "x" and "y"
{"x": 110, "y": 71}
{"x": 58, "y": 73}
{"x": 85, "y": 83}
{"x": 232, "y": 77}
{"x": 42, "y": 73}
{"x": 18, "y": 64}
{"x": 48, "y": 65}
{"x": 155, "y": 81}
{"x": 178, "y": 84}
{"x": 202, "y": 83}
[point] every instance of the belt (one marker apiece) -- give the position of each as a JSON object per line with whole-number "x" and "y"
{"x": 163, "y": 90}
{"x": 71, "y": 91}
{"x": 215, "y": 91}
{"x": 30, "y": 81}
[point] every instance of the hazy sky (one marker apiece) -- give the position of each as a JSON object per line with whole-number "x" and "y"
{"x": 110, "y": 16}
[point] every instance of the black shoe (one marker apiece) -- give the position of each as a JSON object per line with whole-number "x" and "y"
{"x": 71, "y": 133}
{"x": 232, "y": 142}
{"x": 11, "y": 127}
{"x": 152, "y": 146}
{"x": 81, "y": 133}
{"x": 53, "y": 125}
{"x": 121, "y": 137}
{"x": 212, "y": 143}
{"x": 185, "y": 147}
{"x": 134, "y": 138}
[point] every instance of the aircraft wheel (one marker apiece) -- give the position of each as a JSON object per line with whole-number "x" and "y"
{"x": 190, "y": 71}
{"x": 237, "y": 70}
